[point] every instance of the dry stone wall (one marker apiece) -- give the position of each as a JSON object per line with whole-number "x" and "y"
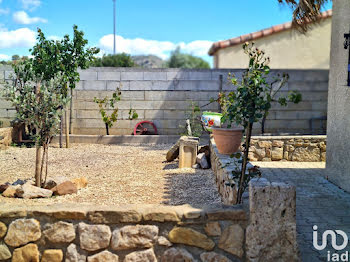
{"x": 288, "y": 148}
{"x": 133, "y": 233}
{"x": 163, "y": 96}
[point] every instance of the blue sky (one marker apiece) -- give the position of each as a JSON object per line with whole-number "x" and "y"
{"x": 143, "y": 26}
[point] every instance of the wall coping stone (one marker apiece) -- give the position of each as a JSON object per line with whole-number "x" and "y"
{"x": 125, "y": 213}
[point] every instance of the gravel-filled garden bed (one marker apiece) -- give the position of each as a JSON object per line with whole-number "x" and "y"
{"x": 116, "y": 174}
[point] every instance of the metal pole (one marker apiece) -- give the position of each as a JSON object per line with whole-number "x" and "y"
{"x": 114, "y": 27}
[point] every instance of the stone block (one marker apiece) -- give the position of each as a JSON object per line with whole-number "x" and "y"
{"x": 140, "y": 85}
{"x": 271, "y": 233}
{"x": 277, "y": 153}
{"x": 94, "y": 237}
{"x": 206, "y": 75}
{"x": 60, "y": 232}
{"x": 104, "y": 256}
{"x": 306, "y": 154}
{"x": 130, "y": 237}
{"x": 212, "y": 229}
{"x": 23, "y": 231}
{"x": 94, "y": 85}
{"x": 3, "y": 229}
{"x": 231, "y": 240}
{"x": 154, "y": 114}
{"x": 52, "y": 255}
{"x": 158, "y": 76}
{"x": 73, "y": 254}
{"x": 213, "y": 257}
{"x": 141, "y": 256}
{"x": 187, "y": 153}
{"x": 115, "y": 76}
{"x": 162, "y": 86}
{"x": 177, "y": 75}
{"x": 26, "y": 253}
{"x": 177, "y": 254}
{"x": 113, "y": 85}
{"x": 88, "y": 75}
{"x": 131, "y": 76}
{"x": 173, "y": 152}
{"x": 133, "y": 95}
{"x": 174, "y": 114}
{"x": 191, "y": 237}
{"x": 4, "y": 252}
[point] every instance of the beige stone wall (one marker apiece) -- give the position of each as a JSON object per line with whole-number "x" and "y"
{"x": 288, "y": 148}
{"x": 128, "y": 233}
{"x": 288, "y": 50}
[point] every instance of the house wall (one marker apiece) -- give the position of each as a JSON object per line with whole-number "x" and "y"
{"x": 338, "y": 164}
{"x": 163, "y": 96}
{"x": 287, "y": 50}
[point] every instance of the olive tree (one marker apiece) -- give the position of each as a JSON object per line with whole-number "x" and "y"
{"x": 39, "y": 104}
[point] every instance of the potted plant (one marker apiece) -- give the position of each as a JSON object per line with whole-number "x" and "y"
{"x": 227, "y": 137}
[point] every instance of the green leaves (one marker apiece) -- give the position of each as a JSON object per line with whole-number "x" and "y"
{"x": 107, "y": 104}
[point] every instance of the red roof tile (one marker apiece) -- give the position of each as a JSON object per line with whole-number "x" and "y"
{"x": 256, "y": 35}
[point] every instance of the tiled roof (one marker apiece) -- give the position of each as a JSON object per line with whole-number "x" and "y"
{"x": 256, "y": 35}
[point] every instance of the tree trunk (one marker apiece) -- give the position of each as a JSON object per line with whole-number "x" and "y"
{"x": 107, "y": 129}
{"x": 61, "y": 131}
{"x": 263, "y": 124}
{"x": 244, "y": 163}
{"x": 38, "y": 166}
{"x": 71, "y": 112}
{"x": 67, "y": 127}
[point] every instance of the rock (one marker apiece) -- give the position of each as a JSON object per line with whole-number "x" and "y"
{"x": 104, "y": 256}
{"x": 139, "y": 236}
{"x": 80, "y": 182}
{"x": 114, "y": 215}
{"x": 141, "y": 256}
{"x": 173, "y": 152}
{"x": 323, "y": 156}
{"x": 3, "y": 229}
{"x": 285, "y": 155}
{"x": 55, "y": 181}
{"x": 3, "y": 187}
{"x": 52, "y": 255}
{"x": 23, "y": 231}
{"x": 323, "y": 146}
{"x": 60, "y": 232}
{"x": 160, "y": 214}
{"x": 306, "y": 154}
{"x": 28, "y": 191}
{"x": 28, "y": 253}
{"x": 213, "y": 257}
{"x": 202, "y": 161}
{"x": 188, "y": 236}
{"x": 4, "y": 252}
{"x": 10, "y": 191}
{"x": 73, "y": 255}
{"x": 231, "y": 240}
{"x": 196, "y": 166}
{"x": 65, "y": 188}
{"x": 277, "y": 143}
{"x": 265, "y": 144}
{"x": 94, "y": 237}
{"x": 19, "y": 182}
{"x": 177, "y": 254}
{"x": 162, "y": 241}
{"x": 277, "y": 153}
{"x": 213, "y": 229}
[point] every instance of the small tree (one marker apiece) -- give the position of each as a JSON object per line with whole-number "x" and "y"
{"x": 181, "y": 60}
{"x": 65, "y": 57}
{"x": 118, "y": 60}
{"x": 248, "y": 104}
{"x": 110, "y": 104}
{"x": 38, "y": 104}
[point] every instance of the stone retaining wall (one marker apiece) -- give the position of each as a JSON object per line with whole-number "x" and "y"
{"x": 128, "y": 233}
{"x": 163, "y": 96}
{"x": 80, "y": 233}
{"x": 288, "y": 148}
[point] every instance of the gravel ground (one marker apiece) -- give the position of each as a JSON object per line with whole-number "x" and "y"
{"x": 117, "y": 174}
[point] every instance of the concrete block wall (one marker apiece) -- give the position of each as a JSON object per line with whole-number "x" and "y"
{"x": 163, "y": 96}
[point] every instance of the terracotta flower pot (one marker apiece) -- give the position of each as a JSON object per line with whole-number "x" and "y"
{"x": 228, "y": 140}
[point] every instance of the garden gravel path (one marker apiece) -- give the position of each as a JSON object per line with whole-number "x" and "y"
{"x": 116, "y": 174}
